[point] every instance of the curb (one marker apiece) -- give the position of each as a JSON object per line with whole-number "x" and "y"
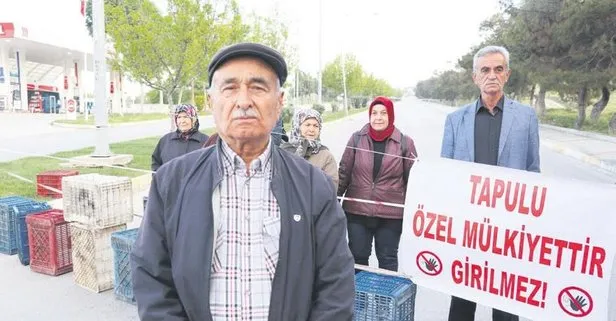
{"x": 591, "y": 160}
{"x": 78, "y": 126}
{"x": 597, "y": 136}
{"x": 344, "y": 118}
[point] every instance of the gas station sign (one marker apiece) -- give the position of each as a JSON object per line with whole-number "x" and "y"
{"x": 7, "y": 30}
{"x": 71, "y": 109}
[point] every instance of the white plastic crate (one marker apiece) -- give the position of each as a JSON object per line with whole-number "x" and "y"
{"x": 98, "y": 200}
{"x": 93, "y": 256}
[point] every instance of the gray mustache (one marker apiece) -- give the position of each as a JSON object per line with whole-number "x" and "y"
{"x": 244, "y": 113}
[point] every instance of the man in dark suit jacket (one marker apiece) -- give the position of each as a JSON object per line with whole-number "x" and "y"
{"x": 494, "y": 130}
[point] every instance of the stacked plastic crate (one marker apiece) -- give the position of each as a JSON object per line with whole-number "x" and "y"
{"x": 383, "y": 298}
{"x": 13, "y": 232}
{"x": 122, "y": 244}
{"x": 49, "y": 183}
{"x": 50, "y": 243}
{"x": 97, "y": 206}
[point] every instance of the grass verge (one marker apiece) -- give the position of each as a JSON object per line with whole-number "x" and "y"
{"x": 29, "y": 167}
{"x": 565, "y": 117}
{"x": 341, "y": 114}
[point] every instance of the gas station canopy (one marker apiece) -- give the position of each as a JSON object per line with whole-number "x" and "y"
{"x": 27, "y": 63}
{"x": 45, "y": 63}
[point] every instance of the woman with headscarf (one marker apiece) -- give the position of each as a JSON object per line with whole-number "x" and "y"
{"x": 184, "y": 140}
{"x": 305, "y": 142}
{"x": 375, "y": 166}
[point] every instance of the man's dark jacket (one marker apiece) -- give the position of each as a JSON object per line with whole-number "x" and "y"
{"x": 171, "y": 259}
{"x": 278, "y": 133}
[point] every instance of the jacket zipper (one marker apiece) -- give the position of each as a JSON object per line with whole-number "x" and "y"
{"x": 373, "y": 187}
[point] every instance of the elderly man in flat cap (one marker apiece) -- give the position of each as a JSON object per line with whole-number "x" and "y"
{"x": 243, "y": 230}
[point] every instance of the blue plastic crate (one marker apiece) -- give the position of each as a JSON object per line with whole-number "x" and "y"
{"x": 8, "y": 199}
{"x": 122, "y": 244}
{"x": 383, "y": 298}
{"x": 8, "y": 240}
{"x": 11, "y": 210}
{"x": 21, "y": 233}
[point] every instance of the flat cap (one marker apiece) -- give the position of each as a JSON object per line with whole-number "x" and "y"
{"x": 249, "y": 49}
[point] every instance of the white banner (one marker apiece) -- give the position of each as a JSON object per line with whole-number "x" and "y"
{"x": 533, "y": 245}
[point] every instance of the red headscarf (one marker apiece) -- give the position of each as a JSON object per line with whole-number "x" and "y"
{"x": 382, "y": 135}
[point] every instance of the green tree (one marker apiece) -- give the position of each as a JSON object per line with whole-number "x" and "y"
{"x": 273, "y": 32}
{"x": 358, "y": 82}
{"x": 374, "y": 86}
{"x": 163, "y": 52}
{"x": 307, "y": 83}
{"x": 568, "y": 46}
{"x": 170, "y": 52}
{"x": 332, "y": 76}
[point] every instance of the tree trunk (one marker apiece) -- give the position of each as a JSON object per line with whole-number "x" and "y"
{"x": 579, "y": 122}
{"x": 180, "y": 95}
{"x": 192, "y": 94}
{"x": 532, "y": 95}
{"x": 170, "y": 102}
{"x": 540, "y": 102}
{"x": 142, "y": 98}
{"x": 612, "y": 124}
{"x": 121, "y": 93}
{"x": 169, "y": 95}
{"x": 599, "y": 106}
{"x": 205, "y": 98}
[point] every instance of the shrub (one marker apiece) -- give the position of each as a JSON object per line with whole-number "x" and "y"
{"x": 318, "y": 107}
{"x": 287, "y": 114}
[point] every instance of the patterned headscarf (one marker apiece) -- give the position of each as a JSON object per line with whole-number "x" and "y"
{"x": 191, "y": 112}
{"x": 295, "y": 138}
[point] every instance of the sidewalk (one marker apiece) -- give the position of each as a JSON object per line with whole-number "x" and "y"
{"x": 595, "y": 149}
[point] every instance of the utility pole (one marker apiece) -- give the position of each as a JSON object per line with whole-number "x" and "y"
{"x": 344, "y": 84}
{"x": 320, "y": 80}
{"x": 343, "y": 62}
{"x": 100, "y": 80}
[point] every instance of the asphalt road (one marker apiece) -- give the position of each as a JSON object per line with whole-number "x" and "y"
{"x": 32, "y": 134}
{"x": 29, "y": 296}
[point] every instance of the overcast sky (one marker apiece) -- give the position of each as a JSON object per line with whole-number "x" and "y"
{"x": 402, "y": 41}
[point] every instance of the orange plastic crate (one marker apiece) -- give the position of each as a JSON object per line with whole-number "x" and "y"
{"x": 52, "y": 179}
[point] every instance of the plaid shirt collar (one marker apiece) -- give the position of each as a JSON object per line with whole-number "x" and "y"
{"x": 232, "y": 162}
